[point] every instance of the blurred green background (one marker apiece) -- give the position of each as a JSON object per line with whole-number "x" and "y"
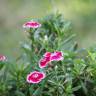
{"x": 13, "y": 13}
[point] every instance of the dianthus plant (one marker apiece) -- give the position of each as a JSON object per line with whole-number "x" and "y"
{"x": 48, "y": 38}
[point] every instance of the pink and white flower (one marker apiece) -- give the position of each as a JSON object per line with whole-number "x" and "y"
{"x": 2, "y": 58}
{"x": 48, "y": 57}
{"x": 44, "y": 62}
{"x": 57, "y": 56}
{"x": 47, "y": 54}
{"x": 31, "y": 24}
{"x": 35, "y": 77}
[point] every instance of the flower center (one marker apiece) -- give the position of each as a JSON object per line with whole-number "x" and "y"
{"x": 35, "y": 75}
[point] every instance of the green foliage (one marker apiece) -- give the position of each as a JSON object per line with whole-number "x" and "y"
{"x": 74, "y": 76}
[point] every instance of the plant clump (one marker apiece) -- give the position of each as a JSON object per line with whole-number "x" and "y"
{"x": 51, "y": 64}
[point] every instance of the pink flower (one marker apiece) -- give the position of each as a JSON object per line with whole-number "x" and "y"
{"x": 35, "y": 77}
{"x": 47, "y": 54}
{"x": 31, "y": 24}
{"x": 44, "y": 62}
{"x": 2, "y": 58}
{"x": 48, "y": 57}
{"x": 56, "y": 56}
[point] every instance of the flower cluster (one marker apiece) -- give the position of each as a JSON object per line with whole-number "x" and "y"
{"x": 48, "y": 57}
{"x": 36, "y": 76}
